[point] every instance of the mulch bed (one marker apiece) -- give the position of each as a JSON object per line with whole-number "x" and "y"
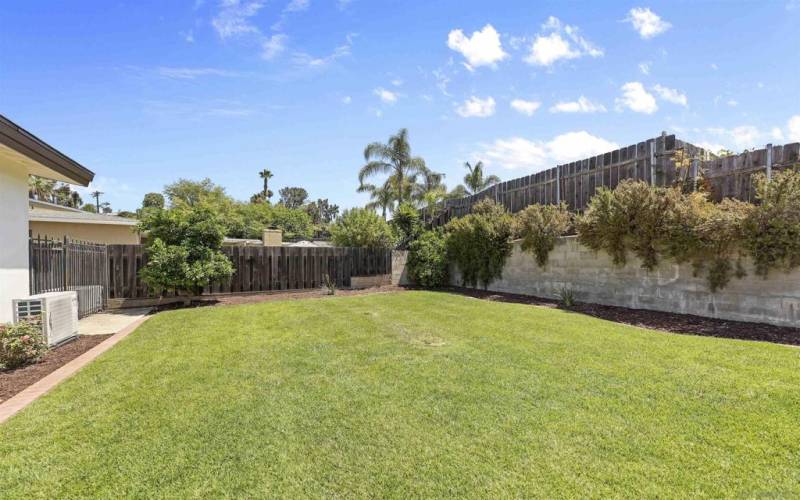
{"x": 656, "y": 320}
{"x": 15, "y": 381}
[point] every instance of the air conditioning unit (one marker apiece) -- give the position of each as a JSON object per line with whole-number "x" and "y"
{"x": 57, "y": 312}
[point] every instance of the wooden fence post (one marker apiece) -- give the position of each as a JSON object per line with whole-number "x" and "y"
{"x": 769, "y": 162}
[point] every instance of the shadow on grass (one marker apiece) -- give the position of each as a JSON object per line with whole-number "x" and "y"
{"x": 655, "y": 320}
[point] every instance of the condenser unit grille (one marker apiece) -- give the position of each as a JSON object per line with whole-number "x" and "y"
{"x": 55, "y": 312}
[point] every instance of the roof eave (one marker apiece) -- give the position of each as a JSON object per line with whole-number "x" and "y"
{"x": 23, "y": 142}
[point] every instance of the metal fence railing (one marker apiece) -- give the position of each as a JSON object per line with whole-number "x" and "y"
{"x": 67, "y": 265}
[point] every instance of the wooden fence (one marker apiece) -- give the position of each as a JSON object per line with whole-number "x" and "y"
{"x": 258, "y": 269}
{"x": 651, "y": 161}
{"x": 67, "y": 265}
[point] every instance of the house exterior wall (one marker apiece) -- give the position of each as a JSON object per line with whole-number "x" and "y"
{"x": 94, "y": 233}
{"x": 14, "y": 280}
{"x": 670, "y": 287}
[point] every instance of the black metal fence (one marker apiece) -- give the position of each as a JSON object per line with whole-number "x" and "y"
{"x": 67, "y": 265}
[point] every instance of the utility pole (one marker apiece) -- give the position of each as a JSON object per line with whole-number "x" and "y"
{"x": 96, "y": 196}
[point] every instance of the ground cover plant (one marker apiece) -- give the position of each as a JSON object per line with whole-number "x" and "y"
{"x": 414, "y": 394}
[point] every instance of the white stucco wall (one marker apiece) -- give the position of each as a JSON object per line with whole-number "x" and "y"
{"x": 13, "y": 237}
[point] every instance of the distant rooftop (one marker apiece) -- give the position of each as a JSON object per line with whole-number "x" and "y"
{"x": 42, "y": 211}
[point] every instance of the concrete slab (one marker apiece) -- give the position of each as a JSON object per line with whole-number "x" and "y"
{"x": 110, "y": 322}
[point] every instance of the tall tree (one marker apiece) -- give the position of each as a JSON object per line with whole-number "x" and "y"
{"x": 153, "y": 200}
{"x": 475, "y": 181}
{"x": 266, "y": 175}
{"x": 40, "y": 188}
{"x": 293, "y": 197}
{"x": 75, "y": 199}
{"x": 189, "y": 193}
{"x": 393, "y": 158}
{"x": 380, "y": 197}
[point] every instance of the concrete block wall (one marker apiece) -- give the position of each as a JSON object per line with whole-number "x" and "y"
{"x": 670, "y": 287}
{"x": 399, "y": 271}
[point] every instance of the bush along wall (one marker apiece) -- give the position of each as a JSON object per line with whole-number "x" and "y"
{"x": 653, "y": 223}
{"x": 480, "y": 243}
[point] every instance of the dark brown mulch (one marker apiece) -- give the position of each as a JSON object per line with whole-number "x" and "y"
{"x": 14, "y": 381}
{"x": 657, "y": 320}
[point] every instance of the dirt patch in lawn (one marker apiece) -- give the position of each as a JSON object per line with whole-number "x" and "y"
{"x": 14, "y": 381}
{"x": 656, "y": 320}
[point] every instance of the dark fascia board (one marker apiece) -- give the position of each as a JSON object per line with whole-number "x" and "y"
{"x": 27, "y": 144}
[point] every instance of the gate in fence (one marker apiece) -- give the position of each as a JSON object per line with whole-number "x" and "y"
{"x": 66, "y": 265}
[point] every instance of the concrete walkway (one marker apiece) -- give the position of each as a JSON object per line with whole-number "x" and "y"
{"x": 109, "y": 322}
{"x": 126, "y": 323}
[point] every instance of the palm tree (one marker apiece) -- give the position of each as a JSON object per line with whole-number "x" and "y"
{"x": 380, "y": 197}
{"x": 393, "y": 158}
{"x": 41, "y": 188}
{"x": 266, "y": 175}
{"x": 474, "y": 180}
{"x": 75, "y": 199}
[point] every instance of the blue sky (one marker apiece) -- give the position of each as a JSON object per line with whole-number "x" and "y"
{"x": 143, "y": 92}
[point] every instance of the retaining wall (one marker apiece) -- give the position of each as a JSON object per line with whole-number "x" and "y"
{"x": 670, "y": 287}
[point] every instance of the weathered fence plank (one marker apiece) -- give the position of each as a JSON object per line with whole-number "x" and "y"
{"x": 649, "y": 161}
{"x": 256, "y": 269}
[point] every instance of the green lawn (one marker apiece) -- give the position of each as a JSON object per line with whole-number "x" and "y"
{"x": 411, "y": 394}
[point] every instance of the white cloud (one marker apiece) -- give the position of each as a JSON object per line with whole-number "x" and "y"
{"x": 732, "y": 103}
{"x": 525, "y": 107}
{"x": 636, "y": 98}
{"x": 577, "y": 146}
{"x": 737, "y": 138}
{"x": 442, "y": 80}
{"x": 483, "y": 48}
{"x": 397, "y": 82}
{"x": 273, "y": 46}
{"x": 308, "y": 61}
{"x": 347, "y": 99}
{"x": 234, "y": 16}
{"x": 777, "y": 134}
{"x": 670, "y": 95}
{"x": 188, "y": 36}
{"x": 793, "y": 128}
{"x": 192, "y": 73}
{"x": 476, "y": 107}
{"x": 582, "y": 105}
{"x": 386, "y": 96}
{"x": 644, "y": 67}
{"x": 518, "y": 152}
{"x": 562, "y": 42}
{"x": 647, "y": 22}
{"x": 298, "y": 5}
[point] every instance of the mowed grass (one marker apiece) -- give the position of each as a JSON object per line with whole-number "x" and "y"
{"x": 411, "y": 394}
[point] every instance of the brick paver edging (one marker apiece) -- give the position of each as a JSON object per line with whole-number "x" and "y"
{"x": 11, "y": 406}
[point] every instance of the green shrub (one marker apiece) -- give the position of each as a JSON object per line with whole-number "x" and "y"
{"x": 539, "y": 226}
{"x": 360, "y": 227}
{"x": 666, "y": 222}
{"x": 772, "y": 229}
{"x": 480, "y": 242}
{"x": 406, "y": 222}
{"x": 184, "y": 250}
{"x": 630, "y": 218}
{"x": 427, "y": 259}
{"x": 708, "y": 235}
{"x": 20, "y": 345}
